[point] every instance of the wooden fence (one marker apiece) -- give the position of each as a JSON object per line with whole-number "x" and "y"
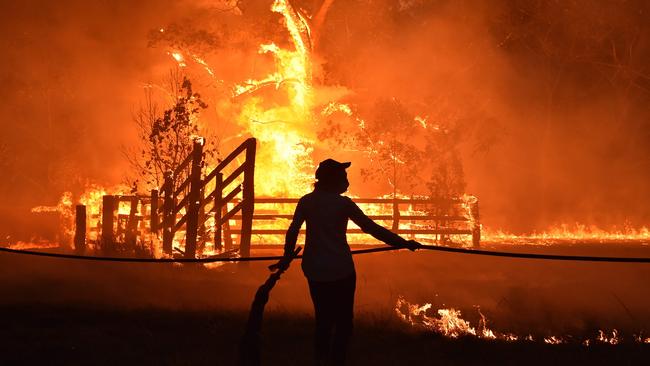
{"x": 188, "y": 199}
{"x": 185, "y": 202}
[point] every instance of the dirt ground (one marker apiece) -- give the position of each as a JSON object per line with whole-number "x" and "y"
{"x": 88, "y": 313}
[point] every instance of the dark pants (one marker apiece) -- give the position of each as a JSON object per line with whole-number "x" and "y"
{"x": 334, "y": 308}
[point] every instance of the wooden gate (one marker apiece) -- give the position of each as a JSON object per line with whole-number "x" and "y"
{"x": 185, "y": 206}
{"x": 187, "y": 201}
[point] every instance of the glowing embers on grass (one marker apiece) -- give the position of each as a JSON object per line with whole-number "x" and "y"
{"x": 449, "y": 323}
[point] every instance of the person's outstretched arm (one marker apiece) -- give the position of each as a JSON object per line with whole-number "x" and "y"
{"x": 377, "y": 231}
{"x": 291, "y": 237}
{"x": 294, "y": 229}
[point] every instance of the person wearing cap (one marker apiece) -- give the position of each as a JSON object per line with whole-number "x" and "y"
{"x": 327, "y": 261}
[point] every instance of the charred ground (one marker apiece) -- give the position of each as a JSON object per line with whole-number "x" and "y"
{"x": 96, "y": 313}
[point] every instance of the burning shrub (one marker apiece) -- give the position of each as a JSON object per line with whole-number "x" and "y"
{"x": 401, "y": 148}
{"x": 167, "y": 138}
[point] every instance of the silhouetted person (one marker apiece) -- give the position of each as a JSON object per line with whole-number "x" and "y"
{"x": 327, "y": 260}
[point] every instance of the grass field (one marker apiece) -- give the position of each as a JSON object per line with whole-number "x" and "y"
{"x": 83, "y": 313}
{"x": 45, "y": 335}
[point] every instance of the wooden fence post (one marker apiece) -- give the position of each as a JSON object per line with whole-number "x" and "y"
{"x": 476, "y": 229}
{"x": 227, "y": 235}
{"x": 154, "y": 212}
{"x": 248, "y": 198}
{"x": 218, "y": 197}
{"x": 80, "y": 229}
{"x": 201, "y": 236}
{"x": 194, "y": 201}
{"x": 169, "y": 218}
{"x": 412, "y": 208}
{"x": 131, "y": 232}
{"x": 396, "y": 214}
{"x": 108, "y": 219}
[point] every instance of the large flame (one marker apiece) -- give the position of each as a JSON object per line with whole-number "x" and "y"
{"x": 285, "y": 131}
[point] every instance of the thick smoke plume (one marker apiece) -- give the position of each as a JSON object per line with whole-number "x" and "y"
{"x": 547, "y": 100}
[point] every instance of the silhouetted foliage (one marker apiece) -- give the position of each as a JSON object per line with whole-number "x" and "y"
{"x": 446, "y": 175}
{"x": 167, "y": 138}
{"x": 402, "y": 149}
{"x": 387, "y": 137}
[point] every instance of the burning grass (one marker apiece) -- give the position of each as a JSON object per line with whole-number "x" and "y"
{"x": 450, "y": 324}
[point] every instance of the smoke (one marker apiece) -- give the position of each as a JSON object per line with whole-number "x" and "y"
{"x": 550, "y": 99}
{"x": 72, "y": 73}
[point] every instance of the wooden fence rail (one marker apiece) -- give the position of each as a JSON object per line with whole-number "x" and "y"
{"x": 455, "y": 212}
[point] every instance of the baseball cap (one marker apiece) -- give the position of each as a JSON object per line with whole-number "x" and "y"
{"x": 329, "y": 166}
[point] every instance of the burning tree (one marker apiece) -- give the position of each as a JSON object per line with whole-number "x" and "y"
{"x": 387, "y": 139}
{"x": 402, "y": 149}
{"x": 446, "y": 176}
{"x": 276, "y": 101}
{"x": 167, "y": 138}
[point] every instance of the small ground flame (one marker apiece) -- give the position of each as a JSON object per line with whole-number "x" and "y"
{"x": 449, "y": 323}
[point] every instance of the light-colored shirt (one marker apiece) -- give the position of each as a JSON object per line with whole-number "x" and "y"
{"x": 327, "y": 255}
